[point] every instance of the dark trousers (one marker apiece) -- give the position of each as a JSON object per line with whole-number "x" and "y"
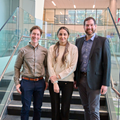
{"x": 90, "y": 99}
{"x": 66, "y": 89}
{"x": 31, "y": 89}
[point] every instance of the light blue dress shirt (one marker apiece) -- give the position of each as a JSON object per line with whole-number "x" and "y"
{"x": 85, "y": 52}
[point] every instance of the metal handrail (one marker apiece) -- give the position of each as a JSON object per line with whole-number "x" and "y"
{"x": 15, "y": 51}
{"x": 112, "y": 86}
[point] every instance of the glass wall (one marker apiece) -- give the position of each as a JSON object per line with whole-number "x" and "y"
{"x": 76, "y": 16}
{"x": 100, "y": 18}
{"x": 71, "y": 16}
{"x": 80, "y": 16}
{"x": 91, "y": 13}
{"x": 59, "y": 17}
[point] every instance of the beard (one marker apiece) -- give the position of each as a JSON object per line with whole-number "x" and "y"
{"x": 89, "y": 33}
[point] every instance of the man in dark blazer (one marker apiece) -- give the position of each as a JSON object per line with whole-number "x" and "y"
{"x": 92, "y": 75}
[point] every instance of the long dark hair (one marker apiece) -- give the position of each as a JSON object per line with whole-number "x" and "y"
{"x": 56, "y": 47}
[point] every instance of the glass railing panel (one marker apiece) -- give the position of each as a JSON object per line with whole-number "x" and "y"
{"x": 7, "y": 82}
{"x": 8, "y": 35}
{"x": 6, "y": 86}
{"x": 8, "y": 39}
{"x": 115, "y": 59}
{"x": 108, "y": 29}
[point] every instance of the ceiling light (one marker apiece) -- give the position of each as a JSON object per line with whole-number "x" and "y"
{"x": 93, "y": 6}
{"x": 53, "y": 3}
{"x": 74, "y": 6}
{"x": 60, "y": 12}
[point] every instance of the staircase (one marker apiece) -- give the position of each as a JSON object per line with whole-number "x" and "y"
{"x": 76, "y": 109}
{"x": 3, "y": 88}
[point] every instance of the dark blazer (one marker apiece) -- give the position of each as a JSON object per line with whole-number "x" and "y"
{"x": 99, "y": 64}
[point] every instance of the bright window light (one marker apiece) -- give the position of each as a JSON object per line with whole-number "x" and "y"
{"x": 74, "y": 6}
{"x": 53, "y": 3}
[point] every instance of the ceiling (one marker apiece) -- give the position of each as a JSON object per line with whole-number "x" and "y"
{"x": 79, "y": 4}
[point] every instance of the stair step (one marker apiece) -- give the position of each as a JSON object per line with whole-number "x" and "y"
{"x": 3, "y": 89}
{"x": 75, "y": 97}
{"x": 4, "y": 83}
{"x": 13, "y": 117}
{"x": 76, "y": 111}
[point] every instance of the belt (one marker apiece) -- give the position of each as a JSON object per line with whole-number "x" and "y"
{"x": 84, "y": 73}
{"x": 32, "y": 79}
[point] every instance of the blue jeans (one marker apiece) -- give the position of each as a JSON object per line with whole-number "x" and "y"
{"x": 31, "y": 89}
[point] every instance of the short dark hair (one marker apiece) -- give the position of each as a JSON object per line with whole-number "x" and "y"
{"x": 90, "y": 18}
{"x": 36, "y": 27}
{"x": 63, "y": 27}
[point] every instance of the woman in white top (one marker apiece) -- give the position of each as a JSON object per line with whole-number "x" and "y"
{"x": 62, "y": 60}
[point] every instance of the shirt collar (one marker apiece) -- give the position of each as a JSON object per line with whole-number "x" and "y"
{"x": 92, "y": 38}
{"x": 33, "y": 46}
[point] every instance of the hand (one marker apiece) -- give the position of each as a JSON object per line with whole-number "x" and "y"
{"x": 18, "y": 88}
{"x": 75, "y": 85}
{"x": 103, "y": 89}
{"x": 53, "y": 79}
{"x": 46, "y": 85}
{"x": 56, "y": 87}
